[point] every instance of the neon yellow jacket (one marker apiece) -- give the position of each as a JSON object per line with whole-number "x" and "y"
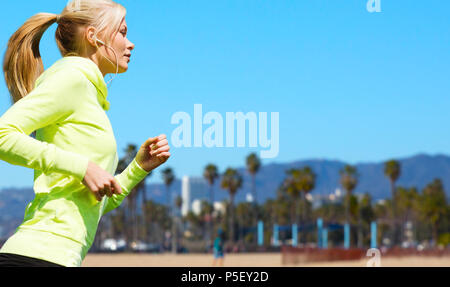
{"x": 67, "y": 110}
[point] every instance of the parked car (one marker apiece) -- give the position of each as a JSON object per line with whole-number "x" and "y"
{"x": 138, "y": 246}
{"x": 154, "y": 248}
{"x": 113, "y": 245}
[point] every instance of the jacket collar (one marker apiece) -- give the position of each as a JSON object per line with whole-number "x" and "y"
{"x": 94, "y": 75}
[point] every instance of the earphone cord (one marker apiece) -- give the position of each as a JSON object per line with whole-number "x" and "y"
{"x": 117, "y": 63}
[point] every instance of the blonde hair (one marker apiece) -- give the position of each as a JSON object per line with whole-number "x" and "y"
{"x": 22, "y": 63}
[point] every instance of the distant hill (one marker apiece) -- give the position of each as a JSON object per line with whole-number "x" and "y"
{"x": 12, "y": 208}
{"x": 417, "y": 171}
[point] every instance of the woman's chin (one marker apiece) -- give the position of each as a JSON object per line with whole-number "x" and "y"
{"x": 123, "y": 68}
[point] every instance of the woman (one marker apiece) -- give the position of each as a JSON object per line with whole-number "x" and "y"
{"x": 74, "y": 154}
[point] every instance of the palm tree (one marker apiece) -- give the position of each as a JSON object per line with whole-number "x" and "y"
{"x": 245, "y": 221}
{"x": 349, "y": 180}
{"x": 307, "y": 182}
{"x": 159, "y": 218}
{"x": 392, "y": 170}
{"x": 434, "y": 205}
{"x": 407, "y": 200}
{"x": 365, "y": 216}
{"x": 291, "y": 187}
{"x": 116, "y": 223}
{"x": 383, "y": 213}
{"x": 211, "y": 174}
{"x": 145, "y": 222}
{"x": 282, "y": 206}
{"x": 355, "y": 217}
{"x": 231, "y": 181}
{"x": 178, "y": 203}
{"x": 298, "y": 183}
{"x": 132, "y": 218}
{"x": 168, "y": 178}
{"x": 253, "y": 164}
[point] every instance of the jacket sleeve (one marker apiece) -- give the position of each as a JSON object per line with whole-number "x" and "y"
{"x": 50, "y": 102}
{"x": 128, "y": 179}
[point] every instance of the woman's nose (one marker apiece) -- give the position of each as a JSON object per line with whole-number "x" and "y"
{"x": 131, "y": 45}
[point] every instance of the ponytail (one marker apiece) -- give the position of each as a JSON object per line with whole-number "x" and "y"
{"x": 22, "y": 63}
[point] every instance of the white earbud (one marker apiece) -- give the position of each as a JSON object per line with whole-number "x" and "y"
{"x": 100, "y": 41}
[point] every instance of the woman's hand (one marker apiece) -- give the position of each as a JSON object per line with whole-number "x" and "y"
{"x": 153, "y": 152}
{"x": 100, "y": 182}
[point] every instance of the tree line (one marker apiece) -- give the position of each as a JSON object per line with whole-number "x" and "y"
{"x": 409, "y": 216}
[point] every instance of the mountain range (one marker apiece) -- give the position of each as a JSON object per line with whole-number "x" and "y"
{"x": 416, "y": 171}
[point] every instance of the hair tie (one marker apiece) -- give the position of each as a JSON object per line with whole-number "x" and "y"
{"x": 58, "y": 17}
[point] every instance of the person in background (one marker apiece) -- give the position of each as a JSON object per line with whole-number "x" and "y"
{"x": 218, "y": 249}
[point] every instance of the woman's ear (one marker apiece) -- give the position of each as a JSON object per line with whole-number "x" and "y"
{"x": 90, "y": 35}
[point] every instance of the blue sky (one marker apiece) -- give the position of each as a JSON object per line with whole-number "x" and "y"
{"x": 348, "y": 84}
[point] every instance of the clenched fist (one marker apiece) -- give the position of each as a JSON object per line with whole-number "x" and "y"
{"x": 153, "y": 152}
{"x": 100, "y": 182}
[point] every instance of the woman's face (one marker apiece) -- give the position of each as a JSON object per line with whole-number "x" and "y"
{"x": 122, "y": 46}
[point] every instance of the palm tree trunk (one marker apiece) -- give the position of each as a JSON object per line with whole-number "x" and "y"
{"x": 347, "y": 207}
{"x": 174, "y": 235}
{"x": 394, "y": 214}
{"x": 144, "y": 213}
{"x": 231, "y": 218}
{"x": 435, "y": 233}
{"x": 255, "y": 200}
{"x": 303, "y": 217}
{"x": 405, "y": 218}
{"x": 128, "y": 228}
{"x": 255, "y": 206}
{"x": 211, "y": 219}
{"x": 135, "y": 219}
{"x": 293, "y": 208}
{"x": 169, "y": 204}
{"x": 360, "y": 235}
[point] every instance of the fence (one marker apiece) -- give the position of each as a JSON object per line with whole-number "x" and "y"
{"x": 296, "y": 255}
